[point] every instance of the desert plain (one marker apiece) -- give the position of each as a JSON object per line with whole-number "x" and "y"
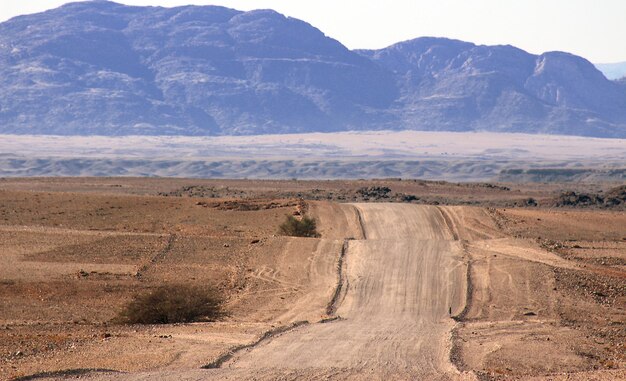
{"x": 408, "y": 279}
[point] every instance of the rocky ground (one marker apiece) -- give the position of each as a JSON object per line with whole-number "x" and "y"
{"x": 587, "y": 276}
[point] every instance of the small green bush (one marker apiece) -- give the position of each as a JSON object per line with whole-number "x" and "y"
{"x": 306, "y": 227}
{"x": 173, "y": 303}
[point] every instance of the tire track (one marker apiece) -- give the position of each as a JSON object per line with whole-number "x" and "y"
{"x": 342, "y": 282}
{"x": 448, "y": 220}
{"x": 359, "y": 217}
{"x": 74, "y": 373}
{"x": 158, "y": 257}
{"x": 217, "y": 363}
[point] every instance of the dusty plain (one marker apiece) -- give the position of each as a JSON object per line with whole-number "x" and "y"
{"x": 428, "y": 280}
{"x": 452, "y": 156}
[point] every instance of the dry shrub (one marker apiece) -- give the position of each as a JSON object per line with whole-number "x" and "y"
{"x": 174, "y": 303}
{"x": 307, "y": 227}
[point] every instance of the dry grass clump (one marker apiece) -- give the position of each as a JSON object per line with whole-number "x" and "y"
{"x": 306, "y": 227}
{"x": 174, "y": 303}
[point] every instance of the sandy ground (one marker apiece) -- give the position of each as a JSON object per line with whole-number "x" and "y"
{"x": 373, "y": 144}
{"x": 394, "y": 322}
{"x": 394, "y": 319}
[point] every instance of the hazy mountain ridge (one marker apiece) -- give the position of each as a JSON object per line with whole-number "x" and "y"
{"x": 109, "y": 69}
{"x": 448, "y": 83}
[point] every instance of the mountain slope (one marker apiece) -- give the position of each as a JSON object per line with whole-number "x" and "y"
{"x": 108, "y": 69}
{"x": 105, "y": 68}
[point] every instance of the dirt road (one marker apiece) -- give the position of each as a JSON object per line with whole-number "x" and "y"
{"x": 403, "y": 281}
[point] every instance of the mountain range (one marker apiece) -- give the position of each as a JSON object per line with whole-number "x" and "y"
{"x": 102, "y": 68}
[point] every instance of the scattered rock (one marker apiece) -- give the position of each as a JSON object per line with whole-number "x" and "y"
{"x": 82, "y": 273}
{"x": 375, "y": 192}
{"x": 615, "y": 197}
{"x": 530, "y": 202}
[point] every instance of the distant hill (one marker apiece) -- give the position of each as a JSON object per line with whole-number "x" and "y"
{"x": 449, "y": 84}
{"x": 104, "y": 68}
{"x": 615, "y": 70}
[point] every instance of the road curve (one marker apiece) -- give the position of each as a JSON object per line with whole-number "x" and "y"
{"x": 404, "y": 279}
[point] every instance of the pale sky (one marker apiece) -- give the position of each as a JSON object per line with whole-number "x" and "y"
{"x": 594, "y": 29}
